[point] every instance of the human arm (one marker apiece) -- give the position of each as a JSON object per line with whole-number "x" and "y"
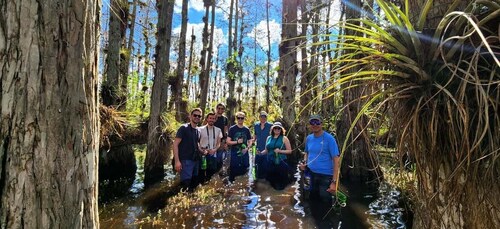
{"x": 333, "y": 185}
{"x": 334, "y": 151}
{"x": 288, "y": 147}
{"x": 178, "y": 165}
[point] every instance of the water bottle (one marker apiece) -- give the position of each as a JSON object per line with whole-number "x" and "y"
{"x": 307, "y": 180}
{"x": 203, "y": 162}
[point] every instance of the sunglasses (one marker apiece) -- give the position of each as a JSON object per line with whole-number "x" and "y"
{"x": 276, "y": 128}
{"x": 196, "y": 116}
{"x": 315, "y": 122}
{"x": 240, "y": 118}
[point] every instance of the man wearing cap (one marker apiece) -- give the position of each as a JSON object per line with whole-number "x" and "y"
{"x": 261, "y": 132}
{"x": 322, "y": 159}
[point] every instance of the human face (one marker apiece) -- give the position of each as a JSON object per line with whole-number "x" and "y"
{"x": 220, "y": 110}
{"x": 315, "y": 125}
{"x": 196, "y": 117}
{"x": 240, "y": 119}
{"x": 263, "y": 118}
{"x": 276, "y": 131}
{"x": 211, "y": 120}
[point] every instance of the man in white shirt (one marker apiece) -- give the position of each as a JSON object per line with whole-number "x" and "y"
{"x": 210, "y": 142}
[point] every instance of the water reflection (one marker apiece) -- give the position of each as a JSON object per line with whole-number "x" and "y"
{"x": 247, "y": 204}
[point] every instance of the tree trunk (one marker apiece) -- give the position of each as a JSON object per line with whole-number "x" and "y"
{"x": 181, "y": 66}
{"x": 230, "y": 69}
{"x": 147, "y": 46}
{"x": 288, "y": 65}
{"x": 268, "y": 69}
{"x": 204, "y": 60}
{"x": 450, "y": 193}
{"x": 49, "y": 134}
{"x": 305, "y": 83}
{"x": 116, "y": 39}
{"x": 358, "y": 163}
{"x": 190, "y": 63}
{"x": 157, "y": 140}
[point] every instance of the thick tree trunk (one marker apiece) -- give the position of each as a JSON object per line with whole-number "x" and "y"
{"x": 288, "y": 65}
{"x": 450, "y": 193}
{"x": 156, "y": 152}
{"x": 49, "y": 134}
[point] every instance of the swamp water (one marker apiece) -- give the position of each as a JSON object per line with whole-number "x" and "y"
{"x": 244, "y": 204}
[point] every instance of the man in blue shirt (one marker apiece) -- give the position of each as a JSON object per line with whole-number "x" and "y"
{"x": 261, "y": 132}
{"x": 322, "y": 159}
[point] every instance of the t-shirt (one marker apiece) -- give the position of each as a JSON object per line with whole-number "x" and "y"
{"x": 209, "y": 136}
{"x": 261, "y": 134}
{"x": 320, "y": 152}
{"x": 221, "y": 122}
{"x": 236, "y": 132}
{"x": 188, "y": 147}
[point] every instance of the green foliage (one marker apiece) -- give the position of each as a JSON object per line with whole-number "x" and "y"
{"x": 439, "y": 86}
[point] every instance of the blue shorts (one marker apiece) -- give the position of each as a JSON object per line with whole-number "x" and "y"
{"x": 189, "y": 169}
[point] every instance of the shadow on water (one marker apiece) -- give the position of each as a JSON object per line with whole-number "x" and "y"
{"x": 247, "y": 204}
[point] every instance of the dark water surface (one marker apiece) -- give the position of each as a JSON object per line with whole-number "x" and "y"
{"x": 244, "y": 204}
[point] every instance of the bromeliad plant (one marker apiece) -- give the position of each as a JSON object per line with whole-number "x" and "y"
{"x": 443, "y": 87}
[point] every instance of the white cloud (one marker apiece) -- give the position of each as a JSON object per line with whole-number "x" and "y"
{"x": 198, "y": 31}
{"x": 260, "y": 32}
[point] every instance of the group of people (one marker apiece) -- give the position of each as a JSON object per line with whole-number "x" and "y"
{"x": 199, "y": 152}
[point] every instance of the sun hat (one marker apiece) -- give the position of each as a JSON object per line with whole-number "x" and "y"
{"x": 263, "y": 113}
{"x": 278, "y": 124}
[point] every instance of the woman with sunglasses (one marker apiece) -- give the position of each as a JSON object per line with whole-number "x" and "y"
{"x": 240, "y": 139}
{"x": 321, "y": 159}
{"x": 277, "y": 147}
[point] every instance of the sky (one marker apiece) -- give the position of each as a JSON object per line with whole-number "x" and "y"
{"x": 255, "y": 29}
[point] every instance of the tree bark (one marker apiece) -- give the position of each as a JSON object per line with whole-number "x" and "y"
{"x": 181, "y": 66}
{"x": 116, "y": 40}
{"x": 288, "y": 70}
{"x": 204, "y": 62}
{"x": 230, "y": 68}
{"x": 268, "y": 53}
{"x": 49, "y": 133}
{"x": 157, "y": 141}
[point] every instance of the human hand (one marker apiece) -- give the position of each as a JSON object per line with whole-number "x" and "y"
{"x": 333, "y": 188}
{"x": 302, "y": 166}
{"x": 178, "y": 166}
{"x": 239, "y": 141}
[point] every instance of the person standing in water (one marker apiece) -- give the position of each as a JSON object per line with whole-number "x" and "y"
{"x": 277, "y": 147}
{"x": 261, "y": 132}
{"x": 240, "y": 139}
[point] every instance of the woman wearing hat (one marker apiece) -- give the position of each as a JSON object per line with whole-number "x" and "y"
{"x": 277, "y": 147}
